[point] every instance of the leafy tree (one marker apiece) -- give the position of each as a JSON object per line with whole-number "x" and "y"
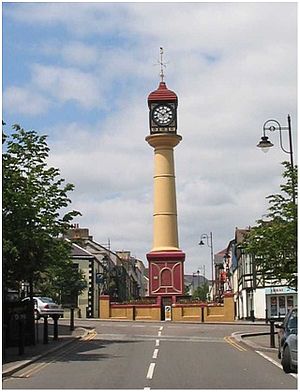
{"x": 201, "y": 292}
{"x": 273, "y": 242}
{"x": 33, "y": 197}
{"x": 63, "y": 283}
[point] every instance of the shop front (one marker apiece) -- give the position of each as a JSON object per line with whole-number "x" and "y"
{"x": 280, "y": 300}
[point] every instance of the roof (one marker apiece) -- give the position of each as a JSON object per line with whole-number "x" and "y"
{"x": 162, "y": 94}
{"x": 77, "y": 251}
{"x": 219, "y": 257}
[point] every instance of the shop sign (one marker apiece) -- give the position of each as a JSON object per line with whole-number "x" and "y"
{"x": 279, "y": 290}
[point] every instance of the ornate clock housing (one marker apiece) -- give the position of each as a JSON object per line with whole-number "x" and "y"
{"x": 162, "y": 110}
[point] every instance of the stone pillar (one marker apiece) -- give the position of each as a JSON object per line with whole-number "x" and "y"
{"x": 228, "y": 307}
{"x": 104, "y": 307}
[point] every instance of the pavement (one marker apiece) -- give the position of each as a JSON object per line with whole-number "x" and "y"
{"x": 12, "y": 361}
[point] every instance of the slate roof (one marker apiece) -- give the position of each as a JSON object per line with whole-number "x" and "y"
{"x": 77, "y": 251}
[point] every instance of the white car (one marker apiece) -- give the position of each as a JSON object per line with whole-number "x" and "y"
{"x": 45, "y": 306}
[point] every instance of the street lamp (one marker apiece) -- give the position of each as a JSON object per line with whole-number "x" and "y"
{"x": 265, "y": 143}
{"x": 209, "y": 242}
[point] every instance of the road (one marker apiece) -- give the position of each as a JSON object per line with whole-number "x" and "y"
{"x": 124, "y": 355}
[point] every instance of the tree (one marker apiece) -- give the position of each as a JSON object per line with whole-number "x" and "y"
{"x": 201, "y": 292}
{"x": 33, "y": 198}
{"x": 63, "y": 283}
{"x": 273, "y": 242}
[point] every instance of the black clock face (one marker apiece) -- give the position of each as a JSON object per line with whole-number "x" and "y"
{"x": 163, "y": 115}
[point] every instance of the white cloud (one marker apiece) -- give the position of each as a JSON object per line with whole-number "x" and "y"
{"x": 23, "y": 100}
{"x": 66, "y": 84}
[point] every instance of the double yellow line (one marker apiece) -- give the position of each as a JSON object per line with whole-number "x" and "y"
{"x": 90, "y": 336}
{"x": 232, "y": 342}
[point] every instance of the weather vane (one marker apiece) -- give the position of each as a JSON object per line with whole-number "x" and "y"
{"x": 162, "y": 64}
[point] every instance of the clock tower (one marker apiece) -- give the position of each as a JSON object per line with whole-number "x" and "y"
{"x": 166, "y": 272}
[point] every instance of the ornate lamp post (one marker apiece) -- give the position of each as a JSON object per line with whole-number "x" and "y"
{"x": 265, "y": 143}
{"x": 209, "y": 242}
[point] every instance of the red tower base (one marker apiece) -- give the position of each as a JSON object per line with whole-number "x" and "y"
{"x": 166, "y": 273}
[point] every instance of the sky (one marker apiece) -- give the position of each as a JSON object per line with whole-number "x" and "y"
{"x": 81, "y": 74}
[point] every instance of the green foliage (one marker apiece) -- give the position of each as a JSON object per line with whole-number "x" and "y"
{"x": 33, "y": 197}
{"x": 201, "y": 292}
{"x": 273, "y": 242}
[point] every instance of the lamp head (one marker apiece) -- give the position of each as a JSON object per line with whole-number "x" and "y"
{"x": 265, "y": 144}
{"x": 201, "y": 243}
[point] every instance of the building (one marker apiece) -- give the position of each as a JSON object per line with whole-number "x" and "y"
{"x": 193, "y": 281}
{"x": 87, "y": 303}
{"x": 255, "y": 296}
{"x": 117, "y": 274}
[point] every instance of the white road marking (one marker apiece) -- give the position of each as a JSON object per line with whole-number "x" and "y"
{"x": 155, "y": 353}
{"x": 150, "y": 371}
{"x": 147, "y": 389}
{"x": 157, "y": 343}
{"x": 161, "y": 328}
{"x": 274, "y": 362}
{"x": 159, "y": 333}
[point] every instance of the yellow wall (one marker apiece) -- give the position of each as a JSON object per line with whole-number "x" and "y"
{"x": 147, "y": 313}
{"x": 212, "y": 313}
{"x": 121, "y": 312}
{"x": 180, "y": 312}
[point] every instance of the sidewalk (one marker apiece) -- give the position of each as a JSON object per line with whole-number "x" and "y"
{"x": 257, "y": 341}
{"x": 13, "y": 362}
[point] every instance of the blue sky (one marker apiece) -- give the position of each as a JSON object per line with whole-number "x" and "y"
{"x": 81, "y": 73}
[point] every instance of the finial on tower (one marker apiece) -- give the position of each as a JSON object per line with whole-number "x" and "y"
{"x": 162, "y": 64}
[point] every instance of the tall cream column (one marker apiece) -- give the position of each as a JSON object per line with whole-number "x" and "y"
{"x": 165, "y": 233}
{"x": 166, "y": 270}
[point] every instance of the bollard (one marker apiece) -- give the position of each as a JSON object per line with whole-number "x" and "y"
{"x": 202, "y": 314}
{"x": 37, "y": 330}
{"x": 45, "y": 337}
{"x": 21, "y": 336}
{"x": 266, "y": 316}
{"x": 55, "y": 326}
{"x": 272, "y": 334}
{"x": 4, "y": 342}
{"x": 72, "y": 319}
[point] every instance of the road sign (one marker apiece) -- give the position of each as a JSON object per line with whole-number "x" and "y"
{"x": 168, "y": 313}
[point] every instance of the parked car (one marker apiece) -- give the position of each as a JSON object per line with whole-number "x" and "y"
{"x": 45, "y": 306}
{"x": 288, "y": 341}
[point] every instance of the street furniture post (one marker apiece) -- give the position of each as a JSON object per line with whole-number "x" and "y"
{"x": 272, "y": 334}
{"x": 55, "y": 326}
{"x": 72, "y": 319}
{"x": 21, "y": 335}
{"x": 45, "y": 337}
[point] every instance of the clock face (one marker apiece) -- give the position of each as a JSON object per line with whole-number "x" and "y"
{"x": 163, "y": 115}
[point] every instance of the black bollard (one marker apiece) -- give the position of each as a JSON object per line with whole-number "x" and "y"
{"x": 202, "y": 314}
{"x": 55, "y": 326}
{"x": 72, "y": 319}
{"x": 272, "y": 334}
{"x": 45, "y": 337}
{"x": 4, "y": 343}
{"x": 37, "y": 330}
{"x": 21, "y": 335}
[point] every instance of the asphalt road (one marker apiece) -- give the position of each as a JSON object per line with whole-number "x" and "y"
{"x": 122, "y": 355}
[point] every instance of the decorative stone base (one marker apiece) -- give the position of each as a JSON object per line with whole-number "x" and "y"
{"x": 166, "y": 274}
